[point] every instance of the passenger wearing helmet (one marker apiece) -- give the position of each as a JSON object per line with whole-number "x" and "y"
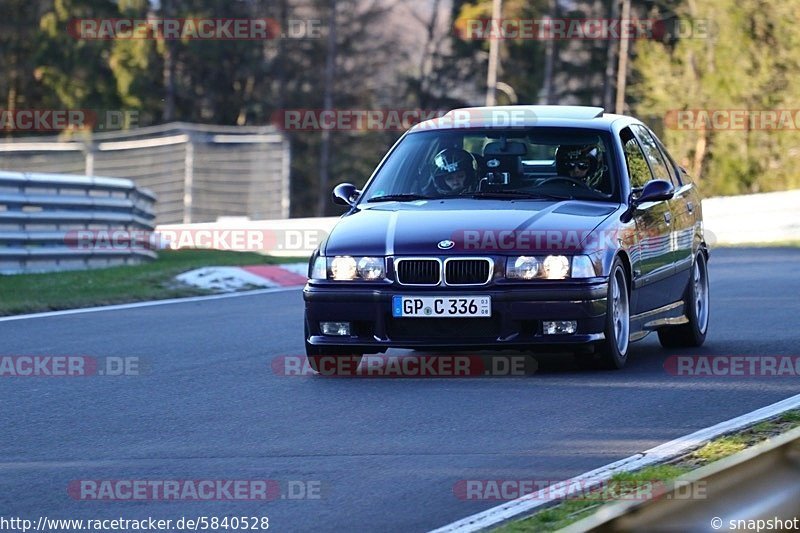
{"x": 584, "y": 163}
{"x": 453, "y": 171}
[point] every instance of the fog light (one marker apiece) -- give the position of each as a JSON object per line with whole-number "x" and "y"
{"x": 559, "y": 327}
{"x": 341, "y": 329}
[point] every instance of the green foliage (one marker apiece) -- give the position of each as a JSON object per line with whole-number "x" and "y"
{"x": 75, "y": 73}
{"x": 751, "y": 61}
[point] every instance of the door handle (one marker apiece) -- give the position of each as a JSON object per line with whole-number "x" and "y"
{"x": 690, "y": 206}
{"x": 667, "y": 218}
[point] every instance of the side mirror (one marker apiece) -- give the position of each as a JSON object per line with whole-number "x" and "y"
{"x": 345, "y": 194}
{"x": 654, "y": 191}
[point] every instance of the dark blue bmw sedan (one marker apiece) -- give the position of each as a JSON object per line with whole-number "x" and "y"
{"x": 524, "y": 227}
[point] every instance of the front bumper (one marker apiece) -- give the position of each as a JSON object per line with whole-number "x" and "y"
{"x": 516, "y": 321}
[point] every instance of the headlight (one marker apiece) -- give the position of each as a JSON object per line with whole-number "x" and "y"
{"x": 527, "y": 267}
{"x": 371, "y": 268}
{"x": 343, "y": 267}
{"x": 523, "y": 267}
{"x": 319, "y": 270}
{"x": 556, "y": 266}
{"x": 582, "y": 267}
{"x": 348, "y": 268}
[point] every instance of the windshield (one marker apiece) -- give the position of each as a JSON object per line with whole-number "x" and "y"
{"x": 543, "y": 162}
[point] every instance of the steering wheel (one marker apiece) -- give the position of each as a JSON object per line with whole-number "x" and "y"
{"x": 574, "y": 181}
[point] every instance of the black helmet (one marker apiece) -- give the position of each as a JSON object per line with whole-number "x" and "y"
{"x": 450, "y": 162}
{"x": 584, "y": 160}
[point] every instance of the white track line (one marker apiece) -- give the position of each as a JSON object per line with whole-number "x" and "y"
{"x": 151, "y": 303}
{"x": 525, "y": 505}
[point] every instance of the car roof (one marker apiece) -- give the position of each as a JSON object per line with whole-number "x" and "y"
{"x": 525, "y": 116}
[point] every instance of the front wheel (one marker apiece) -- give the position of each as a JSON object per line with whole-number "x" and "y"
{"x": 614, "y": 349}
{"x": 696, "y": 305}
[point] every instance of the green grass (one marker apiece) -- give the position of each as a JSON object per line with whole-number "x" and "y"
{"x": 722, "y": 447}
{"x": 572, "y": 510}
{"x": 554, "y": 518}
{"x": 790, "y": 417}
{"x": 569, "y": 511}
{"x": 651, "y": 473}
{"x": 29, "y": 293}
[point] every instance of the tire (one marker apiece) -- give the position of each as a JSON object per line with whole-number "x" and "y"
{"x": 614, "y": 349}
{"x": 696, "y": 305}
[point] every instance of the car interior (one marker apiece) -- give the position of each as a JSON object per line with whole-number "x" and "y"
{"x": 520, "y": 165}
{"x": 518, "y": 162}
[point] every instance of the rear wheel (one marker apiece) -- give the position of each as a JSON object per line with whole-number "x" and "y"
{"x": 696, "y": 307}
{"x": 614, "y": 349}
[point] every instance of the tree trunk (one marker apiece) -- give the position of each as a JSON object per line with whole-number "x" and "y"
{"x": 622, "y": 69}
{"x": 280, "y": 63}
{"x": 167, "y": 11}
{"x": 494, "y": 57}
{"x": 323, "y": 196}
{"x": 608, "y": 93}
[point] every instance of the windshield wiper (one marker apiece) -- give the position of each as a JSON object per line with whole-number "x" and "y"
{"x": 519, "y": 194}
{"x": 405, "y": 197}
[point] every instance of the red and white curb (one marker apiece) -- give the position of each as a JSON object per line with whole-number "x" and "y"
{"x": 231, "y": 279}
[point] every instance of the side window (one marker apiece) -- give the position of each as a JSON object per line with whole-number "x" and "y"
{"x": 634, "y": 158}
{"x": 677, "y": 180}
{"x": 653, "y": 154}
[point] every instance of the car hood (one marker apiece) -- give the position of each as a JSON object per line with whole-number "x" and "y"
{"x": 472, "y": 226}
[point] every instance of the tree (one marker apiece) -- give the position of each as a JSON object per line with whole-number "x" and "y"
{"x": 18, "y": 41}
{"x": 749, "y": 62}
{"x": 74, "y": 73}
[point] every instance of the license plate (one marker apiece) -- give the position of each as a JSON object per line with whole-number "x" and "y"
{"x": 442, "y": 306}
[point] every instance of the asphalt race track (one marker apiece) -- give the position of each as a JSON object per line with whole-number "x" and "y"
{"x": 386, "y": 453}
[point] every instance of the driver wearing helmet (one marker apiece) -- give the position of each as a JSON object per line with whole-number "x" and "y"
{"x": 453, "y": 171}
{"x": 582, "y": 162}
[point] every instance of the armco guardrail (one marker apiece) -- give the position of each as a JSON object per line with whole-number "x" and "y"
{"x": 199, "y": 172}
{"x": 42, "y": 218}
{"x": 742, "y": 492}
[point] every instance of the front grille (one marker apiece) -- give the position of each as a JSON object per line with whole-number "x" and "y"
{"x": 418, "y": 271}
{"x": 442, "y": 328}
{"x": 467, "y": 271}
